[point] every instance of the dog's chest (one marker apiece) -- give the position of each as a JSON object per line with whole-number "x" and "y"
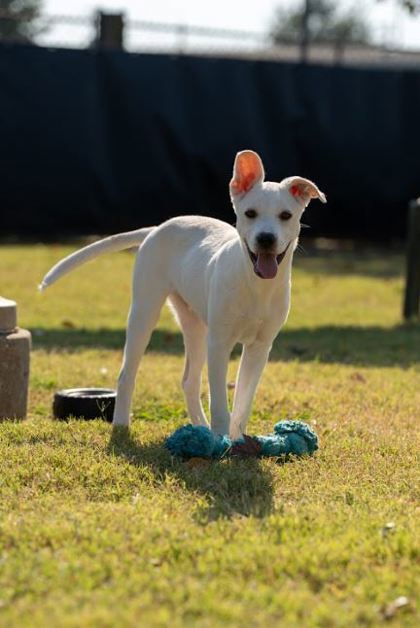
{"x": 249, "y": 328}
{"x": 259, "y": 321}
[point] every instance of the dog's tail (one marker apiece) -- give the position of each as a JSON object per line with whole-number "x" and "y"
{"x": 117, "y": 242}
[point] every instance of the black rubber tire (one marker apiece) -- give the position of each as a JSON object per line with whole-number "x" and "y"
{"x": 84, "y": 403}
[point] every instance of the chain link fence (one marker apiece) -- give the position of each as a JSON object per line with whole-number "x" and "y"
{"x": 118, "y": 31}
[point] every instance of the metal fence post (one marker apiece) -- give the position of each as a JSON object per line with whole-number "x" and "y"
{"x": 110, "y": 30}
{"x": 412, "y": 286}
{"x": 304, "y": 31}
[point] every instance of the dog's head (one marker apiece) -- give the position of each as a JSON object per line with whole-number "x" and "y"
{"x": 268, "y": 214}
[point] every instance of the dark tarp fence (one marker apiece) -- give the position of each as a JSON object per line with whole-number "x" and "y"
{"x": 101, "y": 141}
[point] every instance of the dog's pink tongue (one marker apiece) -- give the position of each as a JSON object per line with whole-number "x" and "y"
{"x": 266, "y": 265}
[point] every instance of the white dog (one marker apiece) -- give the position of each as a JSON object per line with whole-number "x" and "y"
{"x": 225, "y": 285}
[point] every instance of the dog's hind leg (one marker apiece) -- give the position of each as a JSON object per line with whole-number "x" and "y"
{"x": 195, "y": 341}
{"x": 144, "y": 313}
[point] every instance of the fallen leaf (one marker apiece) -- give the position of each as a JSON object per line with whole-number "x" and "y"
{"x": 249, "y": 448}
{"x": 358, "y": 377}
{"x": 68, "y": 324}
{"x": 155, "y": 562}
{"x": 389, "y": 611}
{"x": 388, "y": 528}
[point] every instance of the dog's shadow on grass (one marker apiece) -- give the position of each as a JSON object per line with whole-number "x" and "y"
{"x": 231, "y": 487}
{"x": 344, "y": 344}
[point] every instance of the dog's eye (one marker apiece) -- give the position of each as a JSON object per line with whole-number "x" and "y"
{"x": 251, "y": 213}
{"x": 285, "y": 215}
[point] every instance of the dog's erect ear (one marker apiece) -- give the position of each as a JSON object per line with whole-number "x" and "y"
{"x": 303, "y": 189}
{"x": 247, "y": 172}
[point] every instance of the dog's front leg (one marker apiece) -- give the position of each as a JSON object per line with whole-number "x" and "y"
{"x": 218, "y": 359}
{"x": 254, "y": 358}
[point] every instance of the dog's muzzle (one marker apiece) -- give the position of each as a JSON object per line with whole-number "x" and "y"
{"x": 265, "y": 264}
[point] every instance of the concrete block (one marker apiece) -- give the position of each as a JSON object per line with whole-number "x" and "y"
{"x": 15, "y": 345}
{"x": 8, "y": 315}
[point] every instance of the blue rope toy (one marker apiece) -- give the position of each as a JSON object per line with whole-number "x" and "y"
{"x": 198, "y": 441}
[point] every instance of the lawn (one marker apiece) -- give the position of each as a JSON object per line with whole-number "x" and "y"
{"x": 103, "y": 528}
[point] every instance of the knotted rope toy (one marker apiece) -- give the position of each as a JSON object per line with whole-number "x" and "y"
{"x": 197, "y": 441}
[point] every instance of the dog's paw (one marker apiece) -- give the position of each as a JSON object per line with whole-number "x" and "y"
{"x": 235, "y": 433}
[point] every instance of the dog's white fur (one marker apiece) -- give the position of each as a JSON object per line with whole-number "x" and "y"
{"x": 211, "y": 274}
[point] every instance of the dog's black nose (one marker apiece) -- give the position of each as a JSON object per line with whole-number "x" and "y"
{"x": 266, "y": 240}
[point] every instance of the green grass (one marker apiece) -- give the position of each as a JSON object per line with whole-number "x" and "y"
{"x": 103, "y": 528}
